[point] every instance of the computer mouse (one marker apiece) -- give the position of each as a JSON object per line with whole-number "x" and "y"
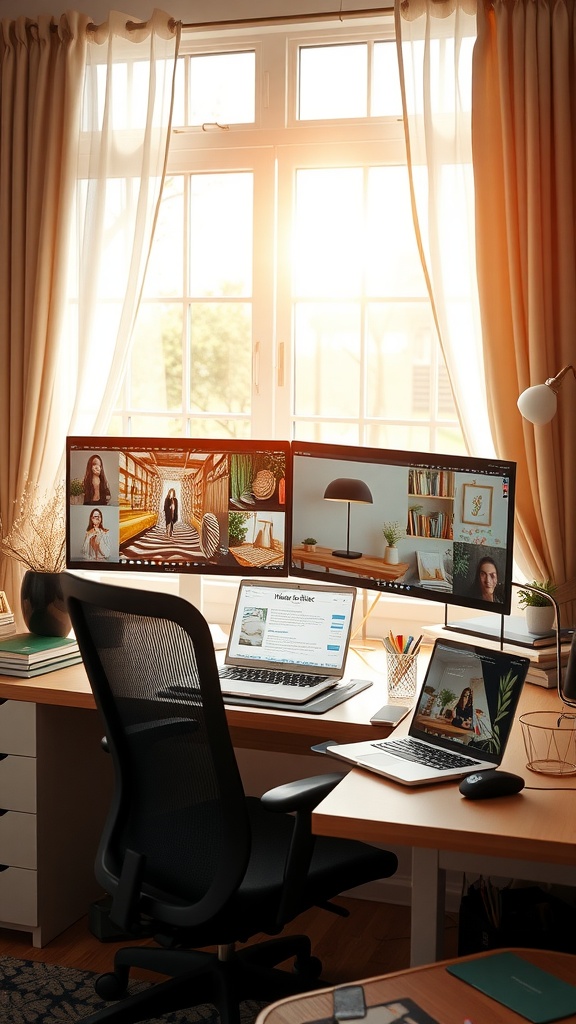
{"x": 490, "y": 782}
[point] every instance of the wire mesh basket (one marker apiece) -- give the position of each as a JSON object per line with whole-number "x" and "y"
{"x": 550, "y": 742}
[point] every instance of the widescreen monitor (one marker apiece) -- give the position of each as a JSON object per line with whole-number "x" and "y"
{"x": 453, "y": 517}
{"x": 174, "y": 505}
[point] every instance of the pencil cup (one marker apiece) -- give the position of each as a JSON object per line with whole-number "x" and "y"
{"x": 402, "y": 674}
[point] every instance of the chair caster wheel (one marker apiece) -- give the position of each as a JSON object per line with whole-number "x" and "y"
{"x": 110, "y": 986}
{"x": 309, "y": 967}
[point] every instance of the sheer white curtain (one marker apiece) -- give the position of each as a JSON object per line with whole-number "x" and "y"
{"x": 126, "y": 120}
{"x": 435, "y": 43}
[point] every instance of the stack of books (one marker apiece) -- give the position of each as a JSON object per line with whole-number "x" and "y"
{"x": 539, "y": 649}
{"x": 27, "y": 655}
{"x": 7, "y": 624}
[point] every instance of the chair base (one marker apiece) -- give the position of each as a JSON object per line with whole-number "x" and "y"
{"x": 197, "y": 977}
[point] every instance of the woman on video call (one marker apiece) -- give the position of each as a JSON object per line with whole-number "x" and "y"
{"x": 96, "y": 489}
{"x": 96, "y": 546}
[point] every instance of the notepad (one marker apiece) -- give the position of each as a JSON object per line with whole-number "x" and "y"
{"x": 516, "y": 983}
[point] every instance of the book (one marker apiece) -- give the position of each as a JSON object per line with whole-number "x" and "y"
{"x": 515, "y": 631}
{"x": 516, "y": 983}
{"x": 542, "y": 656}
{"x": 29, "y": 649}
{"x": 22, "y": 672}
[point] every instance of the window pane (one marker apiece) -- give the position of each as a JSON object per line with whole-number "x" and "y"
{"x": 393, "y": 266}
{"x": 221, "y": 427}
{"x": 164, "y": 275}
{"x": 328, "y": 251}
{"x": 223, "y": 88}
{"x": 156, "y": 359}
{"x": 221, "y": 234}
{"x": 333, "y": 81}
{"x": 386, "y": 96}
{"x": 326, "y": 431}
{"x": 327, "y": 359}
{"x": 220, "y": 357}
{"x": 400, "y": 340}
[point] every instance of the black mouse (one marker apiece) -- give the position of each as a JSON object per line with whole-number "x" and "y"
{"x": 490, "y": 782}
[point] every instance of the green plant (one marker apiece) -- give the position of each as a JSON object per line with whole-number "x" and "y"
{"x": 76, "y": 488}
{"x": 393, "y": 532}
{"x": 444, "y": 697}
{"x": 309, "y": 540}
{"x": 535, "y": 598}
{"x": 238, "y": 526}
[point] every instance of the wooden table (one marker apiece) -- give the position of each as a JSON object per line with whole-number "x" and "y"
{"x": 531, "y": 835}
{"x": 376, "y": 568}
{"x": 55, "y": 782}
{"x": 444, "y": 997}
{"x": 255, "y": 728}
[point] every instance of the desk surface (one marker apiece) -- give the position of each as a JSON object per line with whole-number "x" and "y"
{"x": 537, "y": 824}
{"x": 255, "y": 728}
{"x": 447, "y": 999}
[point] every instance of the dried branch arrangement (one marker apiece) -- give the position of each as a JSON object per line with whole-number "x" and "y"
{"x": 37, "y": 538}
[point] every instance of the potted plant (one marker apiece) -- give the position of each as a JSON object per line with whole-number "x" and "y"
{"x": 238, "y": 527}
{"x": 444, "y": 698}
{"x": 309, "y": 543}
{"x": 76, "y": 491}
{"x": 539, "y": 610}
{"x": 392, "y": 534}
{"x": 37, "y": 539}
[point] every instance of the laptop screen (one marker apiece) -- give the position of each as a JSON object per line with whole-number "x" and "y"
{"x": 469, "y": 698}
{"x": 298, "y": 624}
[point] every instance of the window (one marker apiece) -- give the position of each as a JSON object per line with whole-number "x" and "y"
{"x": 284, "y": 295}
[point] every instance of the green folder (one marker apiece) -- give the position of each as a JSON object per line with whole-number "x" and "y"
{"x": 533, "y": 993}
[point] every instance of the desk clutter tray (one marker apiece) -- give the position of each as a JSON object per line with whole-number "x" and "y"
{"x": 317, "y": 706}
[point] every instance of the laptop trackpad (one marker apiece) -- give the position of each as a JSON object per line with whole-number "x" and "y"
{"x": 401, "y": 768}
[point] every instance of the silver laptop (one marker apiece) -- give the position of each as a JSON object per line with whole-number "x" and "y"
{"x": 288, "y": 641}
{"x": 461, "y": 722}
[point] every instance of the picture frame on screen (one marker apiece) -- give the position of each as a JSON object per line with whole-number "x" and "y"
{"x": 178, "y": 505}
{"x": 452, "y": 519}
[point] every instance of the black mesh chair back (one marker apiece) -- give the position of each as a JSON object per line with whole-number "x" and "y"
{"x": 179, "y": 802}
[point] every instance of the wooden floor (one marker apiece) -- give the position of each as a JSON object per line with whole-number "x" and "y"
{"x": 373, "y": 940}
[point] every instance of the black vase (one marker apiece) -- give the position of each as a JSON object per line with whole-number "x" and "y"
{"x": 43, "y": 605}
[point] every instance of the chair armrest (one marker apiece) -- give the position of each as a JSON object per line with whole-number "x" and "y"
{"x": 301, "y": 795}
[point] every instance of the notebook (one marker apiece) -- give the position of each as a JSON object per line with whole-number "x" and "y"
{"x": 461, "y": 722}
{"x": 288, "y": 641}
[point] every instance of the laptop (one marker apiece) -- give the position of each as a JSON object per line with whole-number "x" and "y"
{"x": 461, "y": 722}
{"x": 288, "y": 641}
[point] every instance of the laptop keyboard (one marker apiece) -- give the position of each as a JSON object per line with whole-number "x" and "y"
{"x": 274, "y": 676}
{"x": 412, "y": 750}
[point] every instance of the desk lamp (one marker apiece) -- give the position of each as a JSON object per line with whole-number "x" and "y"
{"x": 352, "y": 491}
{"x": 538, "y": 404}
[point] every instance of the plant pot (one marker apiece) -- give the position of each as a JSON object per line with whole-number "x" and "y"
{"x": 391, "y": 555}
{"x": 309, "y": 547}
{"x": 540, "y": 619}
{"x": 43, "y": 605}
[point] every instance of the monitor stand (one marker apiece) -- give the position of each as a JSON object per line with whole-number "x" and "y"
{"x": 191, "y": 588}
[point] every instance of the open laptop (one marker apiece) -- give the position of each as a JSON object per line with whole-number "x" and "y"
{"x": 288, "y": 641}
{"x": 461, "y": 722}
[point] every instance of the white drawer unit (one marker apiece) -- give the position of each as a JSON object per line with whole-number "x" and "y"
{"x": 55, "y": 786}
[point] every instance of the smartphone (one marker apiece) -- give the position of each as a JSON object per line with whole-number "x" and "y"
{"x": 390, "y": 714}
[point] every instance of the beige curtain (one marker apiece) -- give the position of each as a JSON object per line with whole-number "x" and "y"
{"x": 84, "y": 127}
{"x": 435, "y": 41}
{"x": 126, "y": 121}
{"x": 41, "y": 73}
{"x": 524, "y": 139}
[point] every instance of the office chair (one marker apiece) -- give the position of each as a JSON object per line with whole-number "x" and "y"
{"x": 186, "y": 857}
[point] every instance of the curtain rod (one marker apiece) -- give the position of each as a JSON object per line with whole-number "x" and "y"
{"x": 287, "y": 19}
{"x": 278, "y": 19}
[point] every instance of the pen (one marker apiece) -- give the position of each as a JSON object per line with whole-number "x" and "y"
{"x": 417, "y": 645}
{"x": 407, "y": 645}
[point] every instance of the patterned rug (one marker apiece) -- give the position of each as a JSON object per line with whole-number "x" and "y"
{"x": 39, "y": 993}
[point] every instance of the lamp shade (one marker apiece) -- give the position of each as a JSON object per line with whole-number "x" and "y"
{"x": 538, "y": 403}
{"x": 348, "y": 489}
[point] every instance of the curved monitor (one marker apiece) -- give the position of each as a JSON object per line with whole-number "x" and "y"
{"x": 449, "y": 520}
{"x": 186, "y": 506}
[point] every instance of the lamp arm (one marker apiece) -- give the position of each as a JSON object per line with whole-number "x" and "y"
{"x": 555, "y": 382}
{"x": 556, "y": 606}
